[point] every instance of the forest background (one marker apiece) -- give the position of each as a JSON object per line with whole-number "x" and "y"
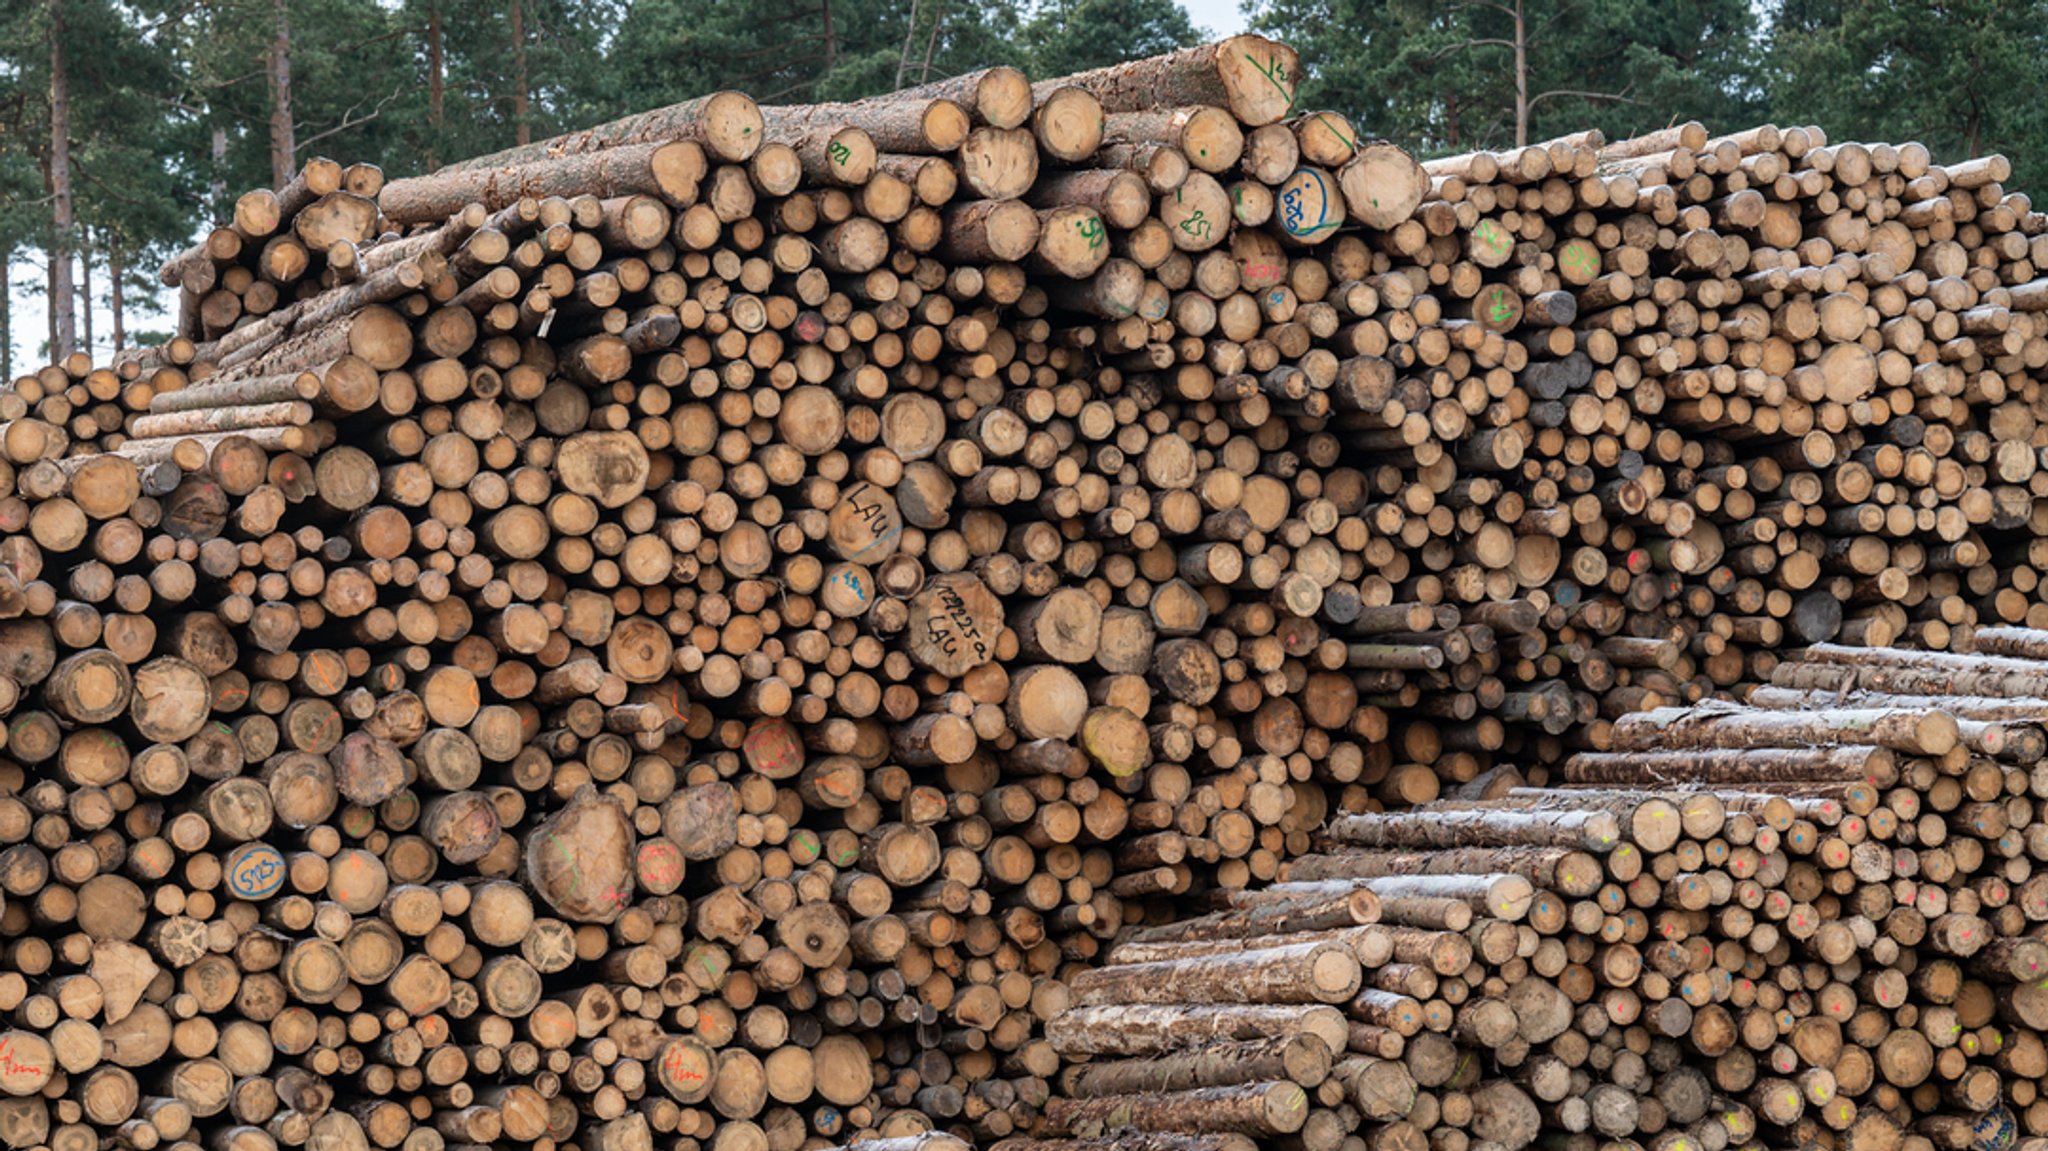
{"x": 127, "y": 126}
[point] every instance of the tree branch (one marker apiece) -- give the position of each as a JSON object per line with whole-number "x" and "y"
{"x": 1617, "y": 97}
{"x": 1500, "y": 8}
{"x": 346, "y": 123}
{"x": 1481, "y": 42}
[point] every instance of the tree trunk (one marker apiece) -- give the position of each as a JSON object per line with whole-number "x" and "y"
{"x": 931, "y": 44}
{"x": 217, "y": 186}
{"x": 909, "y": 39}
{"x": 282, "y": 145}
{"x": 114, "y": 297}
{"x": 1521, "y": 78}
{"x": 832, "y": 42}
{"x": 63, "y": 326}
{"x": 85, "y": 287}
{"x": 437, "y": 86}
{"x": 522, "y": 132}
{"x": 6, "y": 314}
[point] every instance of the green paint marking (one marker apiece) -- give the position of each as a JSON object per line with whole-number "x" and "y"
{"x": 1323, "y": 118}
{"x": 1274, "y": 72}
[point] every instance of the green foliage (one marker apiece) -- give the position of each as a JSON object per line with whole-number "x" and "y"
{"x": 1441, "y": 77}
{"x": 1066, "y": 36}
{"x": 1961, "y": 76}
{"x": 796, "y": 51}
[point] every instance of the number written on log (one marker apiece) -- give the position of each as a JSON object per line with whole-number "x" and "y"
{"x": 1305, "y": 204}
{"x": 839, "y": 153}
{"x": 954, "y": 630}
{"x": 1091, "y": 231}
{"x": 256, "y": 873}
{"x": 850, "y": 580}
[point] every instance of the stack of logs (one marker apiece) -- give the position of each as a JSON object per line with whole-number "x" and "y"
{"x": 697, "y": 632}
{"x": 1827, "y": 932}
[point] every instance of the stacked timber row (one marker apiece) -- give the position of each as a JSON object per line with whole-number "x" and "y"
{"x": 1813, "y": 921}
{"x": 658, "y": 640}
{"x": 695, "y": 633}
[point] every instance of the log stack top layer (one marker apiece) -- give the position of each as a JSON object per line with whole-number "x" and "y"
{"x": 753, "y": 627}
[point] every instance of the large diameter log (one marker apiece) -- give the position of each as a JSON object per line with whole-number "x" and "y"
{"x": 1920, "y": 732}
{"x": 1556, "y": 868}
{"x": 1591, "y": 831}
{"x": 581, "y": 860}
{"x": 1502, "y": 895}
{"x": 928, "y": 126}
{"x": 999, "y": 97}
{"x": 998, "y": 163}
{"x": 1131, "y": 1030}
{"x": 1383, "y": 185}
{"x": 1731, "y": 766}
{"x": 1252, "y": 76}
{"x": 2021, "y": 642}
{"x": 1318, "y": 911}
{"x": 727, "y": 125}
{"x": 1067, "y": 122}
{"x": 1299, "y": 973}
{"x": 1245, "y": 1109}
{"x": 1303, "y": 1059}
{"x": 671, "y": 170}
{"x": 1128, "y": 1140}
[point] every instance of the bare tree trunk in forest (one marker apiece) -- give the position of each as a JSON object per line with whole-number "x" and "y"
{"x": 63, "y": 326}
{"x": 85, "y": 285}
{"x": 1451, "y": 123}
{"x": 1521, "y": 78}
{"x": 114, "y": 298}
{"x": 909, "y": 39}
{"x": 831, "y": 42}
{"x": 283, "y": 148}
{"x": 931, "y": 43}
{"x": 217, "y": 187}
{"x": 522, "y": 131}
{"x": 6, "y": 313}
{"x": 437, "y": 86}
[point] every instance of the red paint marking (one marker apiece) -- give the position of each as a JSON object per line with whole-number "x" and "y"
{"x": 8, "y": 1066}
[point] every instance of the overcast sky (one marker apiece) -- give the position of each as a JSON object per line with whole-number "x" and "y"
{"x": 1218, "y": 16}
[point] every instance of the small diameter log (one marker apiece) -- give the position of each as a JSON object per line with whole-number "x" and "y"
{"x": 1302, "y": 1059}
{"x": 1920, "y": 732}
{"x": 1134, "y": 1030}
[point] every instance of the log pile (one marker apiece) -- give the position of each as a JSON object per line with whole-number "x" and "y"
{"x": 1810, "y": 921}
{"x": 705, "y": 631}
